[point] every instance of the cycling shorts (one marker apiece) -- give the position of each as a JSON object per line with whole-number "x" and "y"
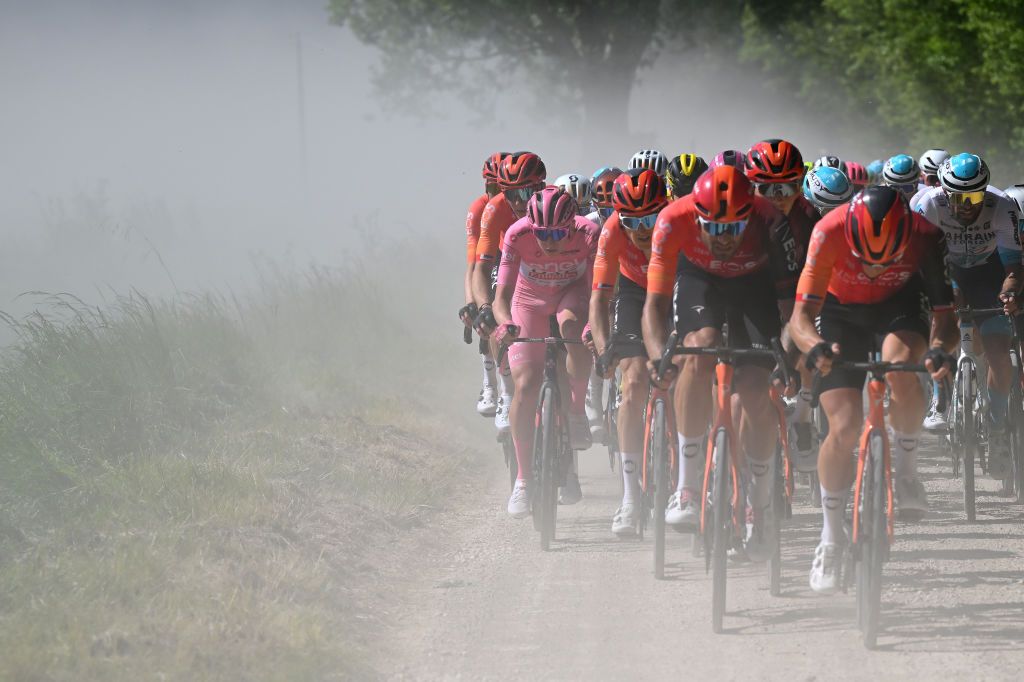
{"x": 979, "y": 287}
{"x": 627, "y": 311}
{"x": 747, "y": 303}
{"x": 531, "y": 308}
{"x": 860, "y": 328}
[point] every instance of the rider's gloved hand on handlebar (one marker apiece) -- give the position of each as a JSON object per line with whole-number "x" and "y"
{"x": 505, "y": 333}
{"x": 468, "y": 313}
{"x": 485, "y": 322}
{"x": 1009, "y": 301}
{"x": 939, "y": 363}
{"x": 665, "y": 380}
{"x": 588, "y": 339}
{"x": 778, "y": 378}
{"x": 820, "y": 357}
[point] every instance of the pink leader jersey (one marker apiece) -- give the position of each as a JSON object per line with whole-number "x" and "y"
{"x": 546, "y": 284}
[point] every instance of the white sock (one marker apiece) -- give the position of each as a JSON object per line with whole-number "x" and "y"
{"x": 630, "y": 477}
{"x": 596, "y": 392}
{"x": 490, "y": 380}
{"x": 690, "y": 452}
{"x": 802, "y": 409}
{"x": 904, "y": 452}
{"x": 833, "y": 507}
{"x": 508, "y": 386}
{"x": 761, "y": 482}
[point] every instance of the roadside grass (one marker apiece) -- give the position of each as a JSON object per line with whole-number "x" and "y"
{"x": 206, "y": 488}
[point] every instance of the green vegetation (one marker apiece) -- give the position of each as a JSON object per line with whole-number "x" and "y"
{"x": 209, "y": 488}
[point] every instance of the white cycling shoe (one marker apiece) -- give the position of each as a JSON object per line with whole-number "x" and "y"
{"x": 802, "y": 450}
{"x": 826, "y": 570}
{"x": 911, "y": 498}
{"x": 935, "y": 421}
{"x": 579, "y": 432}
{"x": 682, "y": 510}
{"x": 570, "y": 493}
{"x": 624, "y": 522}
{"x": 520, "y": 502}
{"x": 487, "y": 404}
{"x": 762, "y": 535}
{"x": 501, "y": 414}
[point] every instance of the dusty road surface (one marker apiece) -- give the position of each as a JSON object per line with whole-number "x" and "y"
{"x": 486, "y": 603}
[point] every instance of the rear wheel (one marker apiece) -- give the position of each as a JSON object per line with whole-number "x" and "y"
{"x": 721, "y": 507}
{"x": 874, "y": 528}
{"x": 778, "y": 511}
{"x": 966, "y": 381}
{"x": 659, "y": 447}
{"x": 549, "y": 443}
{"x": 1015, "y": 422}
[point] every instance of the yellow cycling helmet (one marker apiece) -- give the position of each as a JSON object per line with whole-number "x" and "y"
{"x": 682, "y": 174}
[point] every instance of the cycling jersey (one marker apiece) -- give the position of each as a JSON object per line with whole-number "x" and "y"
{"x": 596, "y": 218}
{"x": 617, "y": 253}
{"x": 832, "y": 268}
{"x": 497, "y": 218}
{"x": 916, "y": 199}
{"x": 995, "y": 230}
{"x": 766, "y": 243}
{"x": 802, "y": 219}
{"x": 476, "y": 210}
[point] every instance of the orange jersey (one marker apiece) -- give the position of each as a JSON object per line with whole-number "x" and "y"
{"x": 497, "y": 218}
{"x": 832, "y": 268}
{"x": 617, "y": 253}
{"x": 766, "y": 243}
{"x": 476, "y": 211}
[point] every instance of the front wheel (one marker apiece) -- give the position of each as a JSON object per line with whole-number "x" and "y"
{"x": 966, "y": 383}
{"x": 721, "y": 507}
{"x": 659, "y": 448}
{"x": 873, "y": 541}
{"x": 778, "y": 511}
{"x": 548, "y": 443}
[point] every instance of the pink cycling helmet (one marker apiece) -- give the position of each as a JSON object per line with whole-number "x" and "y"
{"x": 552, "y": 207}
{"x": 730, "y": 157}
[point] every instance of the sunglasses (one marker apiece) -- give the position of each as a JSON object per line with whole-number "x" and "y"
{"x": 604, "y": 212}
{"x": 906, "y": 188}
{"x": 776, "y": 190}
{"x": 521, "y": 194}
{"x": 551, "y": 234}
{"x": 636, "y": 224}
{"x": 964, "y": 199}
{"x": 718, "y": 229}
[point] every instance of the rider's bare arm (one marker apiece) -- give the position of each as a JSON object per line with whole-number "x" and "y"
{"x": 655, "y": 330}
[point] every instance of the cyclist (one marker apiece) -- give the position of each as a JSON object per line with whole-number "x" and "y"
{"x": 900, "y": 172}
{"x": 776, "y": 169}
{"x": 1016, "y": 193}
{"x": 649, "y": 158}
{"x": 602, "y": 185}
{"x": 579, "y": 188}
{"x": 682, "y": 174}
{"x": 519, "y": 175}
{"x": 873, "y": 270}
{"x": 486, "y": 403}
{"x": 623, "y": 253}
{"x": 875, "y": 171}
{"x": 546, "y": 269}
{"x": 857, "y": 175}
{"x": 980, "y": 224}
{"x": 730, "y": 157}
{"x": 832, "y": 162}
{"x": 723, "y": 254}
{"x": 826, "y": 188}
{"x": 929, "y": 164}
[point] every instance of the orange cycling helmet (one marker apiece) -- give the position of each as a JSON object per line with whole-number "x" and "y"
{"x": 602, "y": 185}
{"x": 723, "y": 195}
{"x": 521, "y": 169}
{"x": 490, "y": 169}
{"x": 774, "y": 161}
{"x": 639, "y": 192}
{"x": 878, "y": 225}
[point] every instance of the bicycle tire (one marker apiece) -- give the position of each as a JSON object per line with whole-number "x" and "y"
{"x": 778, "y": 510}
{"x": 877, "y": 543}
{"x": 721, "y": 505}
{"x": 1015, "y": 419}
{"x": 967, "y": 380}
{"x": 659, "y": 446}
{"x": 546, "y": 472}
{"x": 508, "y": 448}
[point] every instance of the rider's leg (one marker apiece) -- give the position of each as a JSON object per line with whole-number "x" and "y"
{"x": 528, "y": 377}
{"x": 907, "y": 403}
{"x": 635, "y": 387}
{"x": 759, "y": 421}
{"x": 997, "y": 350}
{"x": 845, "y": 413}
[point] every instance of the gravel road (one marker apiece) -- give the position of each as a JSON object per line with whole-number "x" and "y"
{"x": 486, "y": 603}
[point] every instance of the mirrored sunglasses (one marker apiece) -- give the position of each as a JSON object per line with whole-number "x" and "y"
{"x": 960, "y": 199}
{"x": 776, "y": 190}
{"x": 551, "y": 234}
{"x": 637, "y": 223}
{"x": 719, "y": 229}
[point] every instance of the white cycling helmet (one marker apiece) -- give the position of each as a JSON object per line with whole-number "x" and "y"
{"x": 963, "y": 173}
{"x": 931, "y": 160}
{"x": 1017, "y": 194}
{"x": 578, "y": 187}
{"x": 830, "y": 161}
{"x": 649, "y": 158}
{"x": 900, "y": 170}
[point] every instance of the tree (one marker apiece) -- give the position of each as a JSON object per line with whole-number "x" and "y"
{"x": 590, "y": 50}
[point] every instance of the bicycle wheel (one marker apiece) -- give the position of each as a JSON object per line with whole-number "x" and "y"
{"x": 778, "y": 511}
{"x": 611, "y": 422}
{"x": 659, "y": 447}
{"x": 509, "y": 449}
{"x": 721, "y": 507}
{"x": 966, "y": 381}
{"x": 546, "y": 472}
{"x": 1014, "y": 421}
{"x": 873, "y": 541}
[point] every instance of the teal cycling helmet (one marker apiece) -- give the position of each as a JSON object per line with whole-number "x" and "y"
{"x": 963, "y": 173}
{"x": 826, "y": 188}
{"x": 875, "y": 171}
{"x": 901, "y": 169}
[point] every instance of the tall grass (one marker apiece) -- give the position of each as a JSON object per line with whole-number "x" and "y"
{"x": 196, "y": 488}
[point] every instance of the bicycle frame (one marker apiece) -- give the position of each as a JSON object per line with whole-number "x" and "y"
{"x": 724, "y": 371}
{"x": 780, "y": 409}
{"x": 874, "y": 422}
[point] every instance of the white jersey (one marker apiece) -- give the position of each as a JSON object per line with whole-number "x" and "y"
{"x": 916, "y": 199}
{"x": 971, "y": 245}
{"x": 595, "y": 217}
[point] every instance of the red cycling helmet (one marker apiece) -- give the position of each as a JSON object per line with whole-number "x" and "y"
{"x": 639, "y": 192}
{"x": 774, "y": 161}
{"x": 521, "y": 169}
{"x": 490, "y": 169}
{"x": 723, "y": 195}
{"x": 858, "y": 175}
{"x": 879, "y": 224}
{"x": 601, "y": 186}
{"x": 552, "y": 207}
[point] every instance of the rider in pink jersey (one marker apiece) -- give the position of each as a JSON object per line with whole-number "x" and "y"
{"x": 546, "y": 269}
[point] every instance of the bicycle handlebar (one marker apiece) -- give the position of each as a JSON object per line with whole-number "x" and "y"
{"x": 874, "y": 367}
{"x": 721, "y": 352}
